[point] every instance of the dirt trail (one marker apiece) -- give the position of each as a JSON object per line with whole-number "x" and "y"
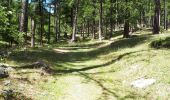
{"x": 79, "y": 89}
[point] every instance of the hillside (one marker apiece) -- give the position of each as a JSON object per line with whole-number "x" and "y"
{"x": 92, "y": 70}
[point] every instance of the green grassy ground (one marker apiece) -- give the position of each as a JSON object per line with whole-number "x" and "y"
{"x": 95, "y": 70}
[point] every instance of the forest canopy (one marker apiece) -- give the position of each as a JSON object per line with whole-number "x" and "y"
{"x": 49, "y": 21}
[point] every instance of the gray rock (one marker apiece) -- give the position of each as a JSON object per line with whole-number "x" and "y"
{"x": 3, "y": 72}
{"x": 3, "y": 66}
{"x": 8, "y": 94}
{"x": 42, "y": 65}
{"x": 7, "y": 82}
{"x": 3, "y": 53}
{"x": 143, "y": 83}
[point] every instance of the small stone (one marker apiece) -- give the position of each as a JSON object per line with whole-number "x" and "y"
{"x": 3, "y": 53}
{"x": 41, "y": 64}
{"x": 7, "y": 82}
{"x": 3, "y": 72}
{"x": 143, "y": 83}
{"x": 44, "y": 94}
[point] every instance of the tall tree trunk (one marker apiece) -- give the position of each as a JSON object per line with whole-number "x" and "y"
{"x": 150, "y": 22}
{"x": 93, "y": 29}
{"x": 126, "y": 29}
{"x": 156, "y": 26}
{"x": 100, "y": 20}
{"x": 111, "y": 19}
{"x": 75, "y": 22}
{"x": 115, "y": 11}
{"x": 72, "y": 16}
{"x": 144, "y": 18}
{"x": 33, "y": 27}
{"x": 106, "y": 27}
{"x": 49, "y": 26}
{"x": 88, "y": 29}
{"x": 141, "y": 21}
{"x": 59, "y": 19}
{"x": 165, "y": 15}
{"x": 94, "y": 22}
{"x": 24, "y": 18}
{"x": 126, "y": 25}
{"x": 56, "y": 21}
{"x": 41, "y": 22}
{"x": 59, "y": 25}
{"x": 83, "y": 32}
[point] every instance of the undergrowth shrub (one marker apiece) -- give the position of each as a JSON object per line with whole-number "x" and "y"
{"x": 161, "y": 43}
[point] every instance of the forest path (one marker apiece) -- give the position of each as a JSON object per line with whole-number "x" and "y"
{"x": 79, "y": 84}
{"x": 79, "y": 89}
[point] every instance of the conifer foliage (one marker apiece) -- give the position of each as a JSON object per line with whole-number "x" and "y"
{"x": 49, "y": 21}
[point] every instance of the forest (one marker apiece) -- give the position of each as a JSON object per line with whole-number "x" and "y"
{"x": 84, "y": 49}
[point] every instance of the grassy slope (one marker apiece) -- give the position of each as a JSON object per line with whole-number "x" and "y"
{"x": 95, "y": 70}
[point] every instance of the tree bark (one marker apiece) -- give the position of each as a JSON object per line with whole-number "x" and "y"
{"x": 126, "y": 29}
{"x": 88, "y": 29}
{"x": 75, "y": 22}
{"x": 41, "y": 22}
{"x": 100, "y": 20}
{"x": 72, "y": 16}
{"x": 55, "y": 21}
{"x": 111, "y": 19}
{"x": 156, "y": 26}
{"x": 165, "y": 15}
{"x": 83, "y": 32}
{"x": 59, "y": 25}
{"x": 24, "y": 18}
{"x": 126, "y": 25}
{"x": 33, "y": 27}
{"x": 94, "y": 22}
{"x": 49, "y": 26}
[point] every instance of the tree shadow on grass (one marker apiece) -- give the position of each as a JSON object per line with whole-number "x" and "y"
{"x": 60, "y": 70}
{"x": 112, "y": 92}
{"x": 105, "y": 89}
{"x": 71, "y": 70}
{"x": 113, "y": 47}
{"x": 54, "y": 57}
